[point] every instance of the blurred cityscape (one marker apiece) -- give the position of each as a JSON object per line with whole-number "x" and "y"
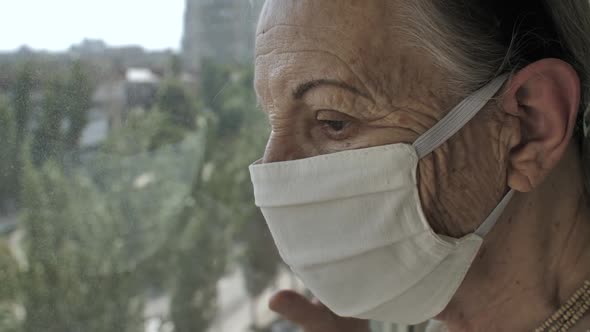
{"x": 125, "y": 199}
{"x": 125, "y": 203}
{"x": 218, "y": 31}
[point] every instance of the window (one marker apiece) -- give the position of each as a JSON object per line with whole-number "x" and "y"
{"x": 125, "y": 201}
{"x": 126, "y": 129}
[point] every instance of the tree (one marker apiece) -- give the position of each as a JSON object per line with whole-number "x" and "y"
{"x": 48, "y": 137}
{"x": 103, "y": 234}
{"x": 38, "y": 302}
{"x": 146, "y": 200}
{"x": 65, "y": 115}
{"x": 215, "y": 78}
{"x": 175, "y": 65}
{"x": 77, "y": 102}
{"x": 77, "y": 279}
{"x": 23, "y": 110}
{"x": 8, "y": 156}
{"x": 9, "y": 274}
{"x": 22, "y": 101}
{"x": 174, "y": 100}
{"x": 200, "y": 262}
{"x": 144, "y": 131}
{"x": 240, "y": 137}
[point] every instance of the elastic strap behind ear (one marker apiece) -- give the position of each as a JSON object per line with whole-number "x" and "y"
{"x": 457, "y": 118}
{"x": 492, "y": 219}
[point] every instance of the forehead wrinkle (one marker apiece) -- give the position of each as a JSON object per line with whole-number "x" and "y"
{"x": 296, "y": 26}
{"x": 358, "y": 78}
{"x": 283, "y": 40}
{"x": 373, "y": 49}
{"x": 327, "y": 13}
{"x": 283, "y": 34}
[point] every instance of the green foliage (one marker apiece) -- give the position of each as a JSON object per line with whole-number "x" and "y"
{"x": 175, "y": 65}
{"x": 175, "y": 101}
{"x": 65, "y": 115}
{"x": 23, "y": 109}
{"x": 94, "y": 238}
{"x": 170, "y": 191}
{"x": 215, "y": 77}
{"x": 260, "y": 259}
{"x": 174, "y": 116}
{"x": 22, "y": 100}
{"x": 48, "y": 137}
{"x": 67, "y": 286}
{"x": 201, "y": 263}
{"x": 9, "y": 321}
{"x": 8, "y": 274}
{"x": 144, "y": 131}
{"x": 9, "y": 290}
{"x": 224, "y": 216}
{"x": 77, "y": 100}
{"x": 239, "y": 140}
{"x": 8, "y": 156}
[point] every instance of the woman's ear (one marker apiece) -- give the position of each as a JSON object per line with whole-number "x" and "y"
{"x": 545, "y": 98}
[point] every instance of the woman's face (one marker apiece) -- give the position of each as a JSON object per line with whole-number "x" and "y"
{"x": 337, "y": 75}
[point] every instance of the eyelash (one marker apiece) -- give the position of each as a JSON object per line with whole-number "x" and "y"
{"x": 335, "y": 125}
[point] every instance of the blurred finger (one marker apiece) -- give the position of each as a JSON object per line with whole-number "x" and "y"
{"x": 343, "y": 323}
{"x": 298, "y": 309}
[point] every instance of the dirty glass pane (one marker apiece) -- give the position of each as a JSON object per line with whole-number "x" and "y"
{"x": 126, "y": 129}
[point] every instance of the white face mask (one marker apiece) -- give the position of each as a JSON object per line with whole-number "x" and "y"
{"x": 351, "y": 226}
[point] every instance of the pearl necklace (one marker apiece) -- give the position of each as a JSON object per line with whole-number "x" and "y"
{"x": 570, "y": 313}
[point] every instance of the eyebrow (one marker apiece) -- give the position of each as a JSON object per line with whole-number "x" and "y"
{"x": 306, "y": 87}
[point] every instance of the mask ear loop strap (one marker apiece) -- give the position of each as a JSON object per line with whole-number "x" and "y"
{"x": 451, "y": 124}
{"x": 491, "y": 220}
{"x": 457, "y": 118}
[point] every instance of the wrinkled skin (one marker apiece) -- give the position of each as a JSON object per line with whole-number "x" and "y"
{"x": 400, "y": 97}
{"x": 368, "y": 87}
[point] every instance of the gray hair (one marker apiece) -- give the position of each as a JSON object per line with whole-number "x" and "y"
{"x": 475, "y": 40}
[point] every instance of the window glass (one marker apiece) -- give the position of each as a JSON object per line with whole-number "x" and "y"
{"x": 126, "y": 130}
{"x": 125, "y": 203}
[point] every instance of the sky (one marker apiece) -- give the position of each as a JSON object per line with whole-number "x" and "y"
{"x": 57, "y": 24}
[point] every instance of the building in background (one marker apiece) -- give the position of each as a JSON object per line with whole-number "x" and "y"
{"x": 141, "y": 87}
{"x": 219, "y": 29}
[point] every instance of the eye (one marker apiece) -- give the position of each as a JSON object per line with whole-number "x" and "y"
{"x": 336, "y": 125}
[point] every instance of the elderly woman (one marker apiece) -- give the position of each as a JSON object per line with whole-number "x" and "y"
{"x": 425, "y": 161}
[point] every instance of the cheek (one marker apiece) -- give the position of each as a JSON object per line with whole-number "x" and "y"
{"x": 461, "y": 182}
{"x": 435, "y": 196}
